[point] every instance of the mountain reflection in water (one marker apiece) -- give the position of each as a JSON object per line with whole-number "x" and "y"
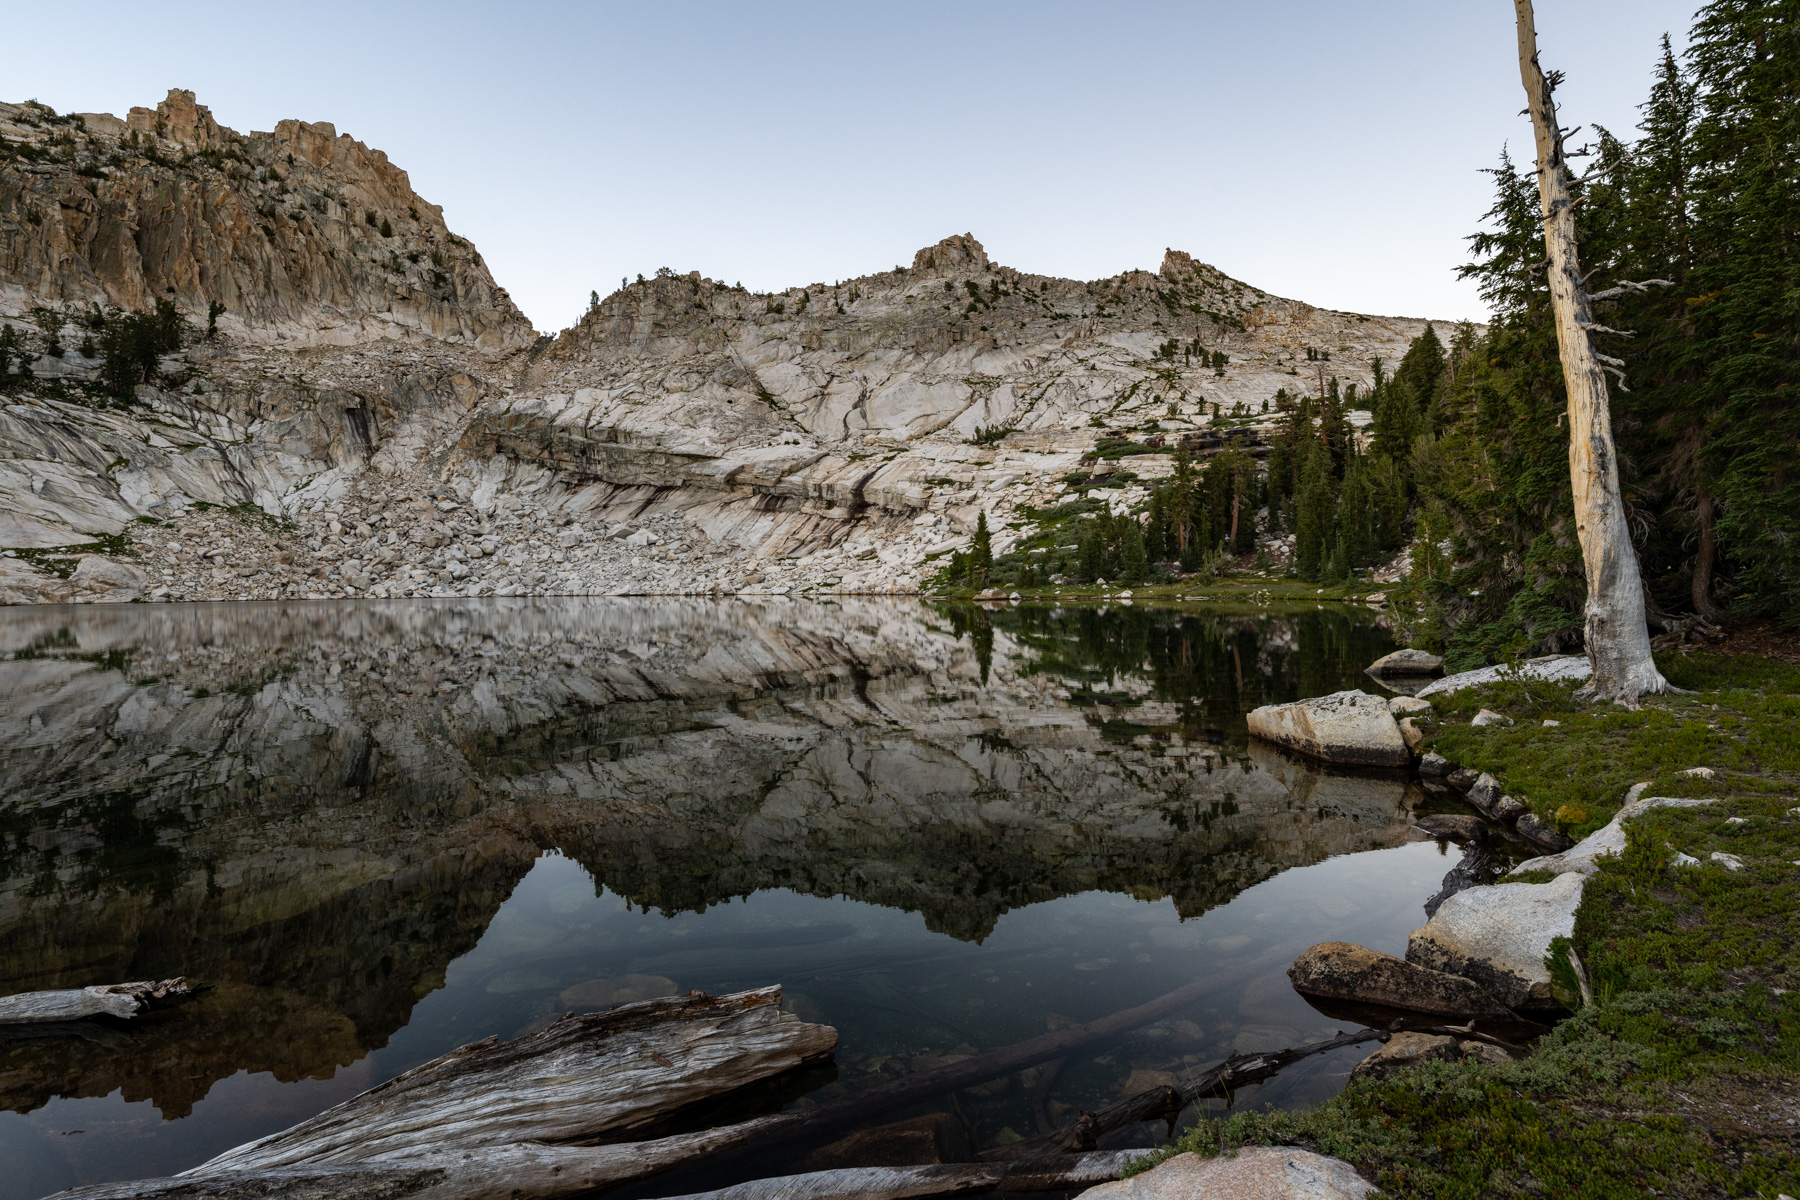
{"x": 322, "y": 809}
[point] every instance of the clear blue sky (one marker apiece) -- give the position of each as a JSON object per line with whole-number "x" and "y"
{"x": 1328, "y": 150}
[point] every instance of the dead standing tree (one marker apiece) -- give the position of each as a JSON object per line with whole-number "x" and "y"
{"x": 1618, "y": 641}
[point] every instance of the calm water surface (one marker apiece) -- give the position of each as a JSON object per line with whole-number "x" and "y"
{"x": 381, "y": 830}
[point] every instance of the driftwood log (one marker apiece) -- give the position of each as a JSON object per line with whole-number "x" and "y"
{"x": 487, "y": 1119}
{"x": 1240, "y": 1070}
{"x": 122, "y": 1000}
{"x": 950, "y": 1179}
{"x": 499, "y": 1118}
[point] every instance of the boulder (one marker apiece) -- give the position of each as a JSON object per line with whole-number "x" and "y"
{"x": 1608, "y": 839}
{"x": 1348, "y": 728}
{"x": 21, "y": 583}
{"x": 1343, "y": 971}
{"x": 1407, "y": 1050}
{"x": 1488, "y": 716}
{"x": 1484, "y": 792}
{"x": 1405, "y": 662}
{"x": 1554, "y": 667}
{"x": 1408, "y": 706}
{"x": 1411, "y": 734}
{"x": 1253, "y": 1173}
{"x": 1462, "y": 779}
{"x": 1434, "y": 765}
{"x": 1498, "y": 936}
{"x": 1541, "y": 834}
{"x": 104, "y": 581}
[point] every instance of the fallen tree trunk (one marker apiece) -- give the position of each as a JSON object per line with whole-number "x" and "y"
{"x": 484, "y": 1120}
{"x": 440, "y": 1134}
{"x": 950, "y": 1179}
{"x": 1240, "y": 1070}
{"x": 123, "y": 1000}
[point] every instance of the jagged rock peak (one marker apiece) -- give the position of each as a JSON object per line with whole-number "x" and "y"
{"x": 180, "y": 119}
{"x": 305, "y": 235}
{"x": 959, "y": 251}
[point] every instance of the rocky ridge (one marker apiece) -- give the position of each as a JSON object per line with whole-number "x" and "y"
{"x": 372, "y": 431}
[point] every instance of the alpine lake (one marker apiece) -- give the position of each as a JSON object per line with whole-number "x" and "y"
{"x": 379, "y": 830}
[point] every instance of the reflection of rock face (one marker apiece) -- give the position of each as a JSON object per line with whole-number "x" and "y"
{"x": 317, "y": 808}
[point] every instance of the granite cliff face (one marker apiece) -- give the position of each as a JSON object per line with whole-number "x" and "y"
{"x": 370, "y": 385}
{"x": 304, "y": 235}
{"x": 316, "y": 810}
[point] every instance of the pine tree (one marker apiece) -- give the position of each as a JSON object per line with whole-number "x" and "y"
{"x": 1312, "y": 514}
{"x": 981, "y": 552}
{"x": 1746, "y": 234}
{"x": 1421, "y": 372}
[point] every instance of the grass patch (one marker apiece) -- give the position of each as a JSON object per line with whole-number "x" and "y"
{"x": 1683, "y": 1078}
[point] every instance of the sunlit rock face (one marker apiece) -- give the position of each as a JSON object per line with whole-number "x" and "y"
{"x": 316, "y": 808}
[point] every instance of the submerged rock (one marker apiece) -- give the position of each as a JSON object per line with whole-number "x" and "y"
{"x": 1407, "y": 1050}
{"x": 1253, "y": 1173}
{"x": 1498, "y": 937}
{"x": 1405, "y": 662}
{"x": 1541, "y": 833}
{"x": 1345, "y": 971}
{"x": 1349, "y": 728}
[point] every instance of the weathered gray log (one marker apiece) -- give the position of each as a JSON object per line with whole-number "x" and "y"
{"x": 949, "y": 1179}
{"x": 1240, "y": 1070}
{"x": 482, "y": 1120}
{"x": 439, "y": 1134}
{"x": 123, "y": 1000}
{"x": 580, "y": 1078}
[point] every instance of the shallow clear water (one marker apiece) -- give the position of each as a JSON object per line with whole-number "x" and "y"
{"x": 383, "y": 830}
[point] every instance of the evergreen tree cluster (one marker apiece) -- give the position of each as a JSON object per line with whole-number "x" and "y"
{"x": 1705, "y": 416}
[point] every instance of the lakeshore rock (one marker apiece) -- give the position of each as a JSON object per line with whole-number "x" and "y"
{"x": 1554, "y": 668}
{"x": 1345, "y": 971}
{"x": 1407, "y": 1050}
{"x": 1609, "y": 839}
{"x": 1408, "y": 706}
{"x": 1349, "y": 728}
{"x": 1434, "y": 765}
{"x": 1498, "y": 936}
{"x": 1253, "y": 1173}
{"x": 1406, "y": 662}
{"x": 1541, "y": 834}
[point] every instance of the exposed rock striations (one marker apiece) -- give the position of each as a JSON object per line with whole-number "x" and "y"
{"x": 836, "y": 437}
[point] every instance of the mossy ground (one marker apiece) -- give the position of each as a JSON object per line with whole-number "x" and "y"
{"x": 1683, "y": 1077}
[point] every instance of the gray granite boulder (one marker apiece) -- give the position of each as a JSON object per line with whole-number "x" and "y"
{"x": 1498, "y": 936}
{"x": 1253, "y": 1173}
{"x": 1405, "y": 662}
{"x": 1348, "y": 728}
{"x": 1345, "y": 971}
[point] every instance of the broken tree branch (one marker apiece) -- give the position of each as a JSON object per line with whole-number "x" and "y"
{"x": 1633, "y": 287}
{"x": 1240, "y": 1070}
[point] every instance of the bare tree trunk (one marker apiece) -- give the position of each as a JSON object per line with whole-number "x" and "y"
{"x": 1618, "y": 641}
{"x": 1705, "y": 555}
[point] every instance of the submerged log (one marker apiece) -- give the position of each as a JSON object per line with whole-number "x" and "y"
{"x": 501, "y": 1118}
{"x": 485, "y": 1119}
{"x": 900, "y": 1183}
{"x": 123, "y": 1000}
{"x": 1240, "y": 1070}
